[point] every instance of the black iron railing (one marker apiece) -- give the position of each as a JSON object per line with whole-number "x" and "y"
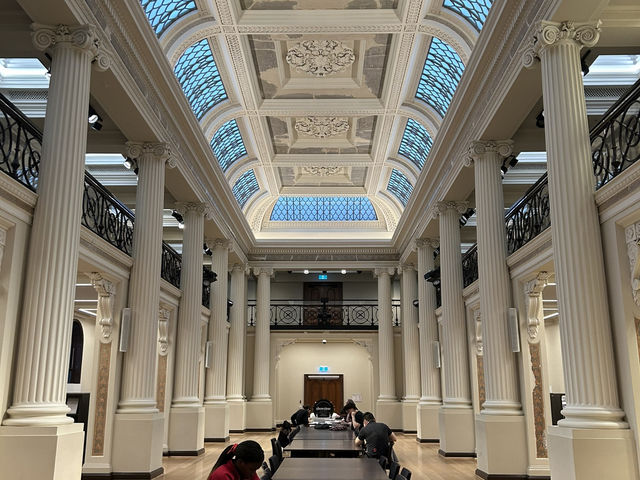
{"x": 470, "y": 266}
{"x": 171, "y": 265}
{"x": 20, "y": 145}
{"x": 529, "y": 216}
{"x": 208, "y": 277}
{"x": 346, "y": 315}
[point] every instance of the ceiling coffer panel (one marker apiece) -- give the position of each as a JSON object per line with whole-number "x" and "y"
{"x": 326, "y": 134}
{"x": 320, "y": 67}
{"x": 317, "y": 4}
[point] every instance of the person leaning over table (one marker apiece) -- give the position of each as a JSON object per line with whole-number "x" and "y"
{"x": 377, "y": 437}
{"x": 354, "y": 416}
{"x": 301, "y": 417}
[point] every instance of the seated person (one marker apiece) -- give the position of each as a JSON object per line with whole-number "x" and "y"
{"x": 283, "y": 436}
{"x": 238, "y": 461}
{"x": 323, "y": 408}
{"x": 354, "y": 416}
{"x": 301, "y": 417}
{"x": 377, "y": 437}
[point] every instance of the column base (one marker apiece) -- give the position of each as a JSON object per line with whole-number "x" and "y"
{"x": 48, "y": 453}
{"x": 428, "y": 430}
{"x": 259, "y": 415}
{"x": 590, "y": 454}
{"x": 216, "y": 422}
{"x": 409, "y": 416}
{"x": 186, "y": 431}
{"x": 457, "y": 437}
{"x": 502, "y": 446}
{"x": 237, "y": 416}
{"x": 389, "y": 412}
{"x": 137, "y": 445}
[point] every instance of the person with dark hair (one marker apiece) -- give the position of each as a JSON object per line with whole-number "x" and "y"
{"x": 238, "y": 462}
{"x": 301, "y": 417}
{"x": 377, "y": 437}
{"x": 283, "y": 436}
{"x": 354, "y": 416}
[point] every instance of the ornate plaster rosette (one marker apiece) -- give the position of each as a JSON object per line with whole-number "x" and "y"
{"x": 321, "y": 171}
{"x": 320, "y": 57}
{"x": 322, "y": 127}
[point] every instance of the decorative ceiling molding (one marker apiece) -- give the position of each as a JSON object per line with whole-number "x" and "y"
{"x": 320, "y": 57}
{"x": 322, "y": 127}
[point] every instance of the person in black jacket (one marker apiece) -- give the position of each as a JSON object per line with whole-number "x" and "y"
{"x": 301, "y": 417}
{"x": 283, "y": 436}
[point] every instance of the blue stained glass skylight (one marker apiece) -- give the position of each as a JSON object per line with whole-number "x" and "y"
{"x": 323, "y": 209}
{"x": 415, "y": 144}
{"x": 475, "y": 11}
{"x": 440, "y": 76}
{"x": 162, "y": 13}
{"x": 198, "y": 75}
{"x": 227, "y": 145}
{"x": 400, "y": 186}
{"x": 245, "y": 187}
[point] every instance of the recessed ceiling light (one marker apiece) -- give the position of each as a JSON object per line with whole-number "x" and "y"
{"x": 306, "y": 272}
{"x": 343, "y": 271}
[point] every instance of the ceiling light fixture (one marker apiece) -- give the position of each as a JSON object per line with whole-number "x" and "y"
{"x": 343, "y": 271}
{"x": 128, "y": 163}
{"x": 306, "y": 271}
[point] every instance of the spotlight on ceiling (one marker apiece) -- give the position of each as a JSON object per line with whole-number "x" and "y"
{"x": 540, "y": 120}
{"x": 306, "y": 271}
{"x": 324, "y": 341}
{"x": 343, "y": 271}
{"x": 95, "y": 121}
{"x": 128, "y": 163}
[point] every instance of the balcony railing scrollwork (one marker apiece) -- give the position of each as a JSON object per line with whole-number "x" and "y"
{"x": 529, "y": 216}
{"x": 171, "y": 265}
{"x": 470, "y": 266}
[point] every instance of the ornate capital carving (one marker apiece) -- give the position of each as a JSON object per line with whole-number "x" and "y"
{"x": 82, "y": 37}
{"x": 184, "y": 207}
{"x": 157, "y": 151}
{"x": 257, "y": 271}
{"x": 442, "y": 207}
{"x": 533, "y": 300}
{"x": 322, "y": 127}
{"x": 218, "y": 243}
{"x": 477, "y": 324}
{"x": 378, "y": 272}
{"x": 406, "y": 267}
{"x": 480, "y": 149}
{"x": 322, "y": 171}
{"x": 106, "y": 297}
{"x": 548, "y": 34}
{"x": 320, "y": 57}
{"x": 632, "y": 236}
{"x": 163, "y": 330}
{"x": 427, "y": 242}
{"x": 239, "y": 267}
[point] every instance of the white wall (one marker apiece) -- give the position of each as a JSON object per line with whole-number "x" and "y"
{"x": 554, "y": 356}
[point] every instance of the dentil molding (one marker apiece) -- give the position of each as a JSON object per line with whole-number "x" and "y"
{"x": 320, "y": 57}
{"x": 322, "y": 127}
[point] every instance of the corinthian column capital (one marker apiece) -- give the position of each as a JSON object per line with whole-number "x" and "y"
{"x": 83, "y": 37}
{"x": 214, "y": 243}
{"x": 427, "y": 242}
{"x": 158, "y": 151}
{"x": 479, "y": 149}
{"x": 442, "y": 207}
{"x": 184, "y": 207}
{"x": 257, "y": 271}
{"x": 378, "y": 272}
{"x": 548, "y": 34}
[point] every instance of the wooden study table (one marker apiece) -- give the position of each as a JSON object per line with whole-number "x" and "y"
{"x": 330, "y": 469}
{"x": 311, "y": 442}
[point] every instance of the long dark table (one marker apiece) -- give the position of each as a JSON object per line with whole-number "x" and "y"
{"x": 311, "y": 442}
{"x": 330, "y": 469}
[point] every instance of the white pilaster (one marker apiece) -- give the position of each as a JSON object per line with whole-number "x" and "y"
{"x": 431, "y": 397}
{"x": 37, "y": 424}
{"x": 411, "y": 349}
{"x": 237, "y": 334}
{"x": 456, "y": 414}
{"x": 215, "y": 400}
{"x": 186, "y": 421}
{"x": 585, "y": 331}
{"x": 137, "y": 421}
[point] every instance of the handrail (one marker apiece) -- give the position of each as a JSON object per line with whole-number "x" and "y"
{"x": 171, "y": 265}
{"x": 470, "y": 266}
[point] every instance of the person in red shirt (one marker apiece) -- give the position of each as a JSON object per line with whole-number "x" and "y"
{"x": 238, "y": 462}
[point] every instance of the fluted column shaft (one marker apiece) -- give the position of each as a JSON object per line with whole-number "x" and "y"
{"x": 137, "y": 394}
{"x": 500, "y": 368}
{"x": 585, "y": 330}
{"x": 218, "y": 327}
{"x": 263, "y": 330}
{"x": 385, "y": 336}
{"x": 428, "y": 325}
{"x": 39, "y": 390}
{"x": 410, "y": 334}
{"x": 188, "y": 337}
{"x": 237, "y": 334}
{"x": 454, "y": 343}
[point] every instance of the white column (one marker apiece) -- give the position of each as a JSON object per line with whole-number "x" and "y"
{"x": 186, "y": 421}
{"x": 411, "y": 349}
{"x": 501, "y": 417}
{"x": 39, "y": 391}
{"x": 43, "y": 345}
{"x": 585, "y": 330}
{"x": 237, "y": 335}
{"x": 456, "y": 414}
{"x": 385, "y": 336}
{"x": 431, "y": 397}
{"x": 138, "y": 426}
{"x": 215, "y": 400}
{"x": 260, "y": 409}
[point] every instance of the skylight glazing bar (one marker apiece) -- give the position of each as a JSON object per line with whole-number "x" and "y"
{"x": 162, "y": 13}
{"x": 475, "y": 11}
{"x": 245, "y": 187}
{"x": 415, "y": 144}
{"x": 227, "y": 145}
{"x": 323, "y": 209}
{"x": 400, "y": 186}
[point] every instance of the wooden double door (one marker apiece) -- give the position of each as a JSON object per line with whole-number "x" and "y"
{"x": 328, "y": 386}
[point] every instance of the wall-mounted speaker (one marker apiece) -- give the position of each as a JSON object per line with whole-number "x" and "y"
{"x": 125, "y": 329}
{"x": 435, "y": 353}
{"x": 207, "y": 354}
{"x": 514, "y": 329}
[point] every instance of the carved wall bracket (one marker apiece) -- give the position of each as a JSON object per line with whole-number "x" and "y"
{"x": 632, "y": 236}
{"x": 533, "y": 300}
{"x": 163, "y": 331}
{"x": 106, "y": 297}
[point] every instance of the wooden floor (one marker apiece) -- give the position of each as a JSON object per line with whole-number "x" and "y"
{"x": 421, "y": 458}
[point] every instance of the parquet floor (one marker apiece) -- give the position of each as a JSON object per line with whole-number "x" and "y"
{"x": 421, "y": 458}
